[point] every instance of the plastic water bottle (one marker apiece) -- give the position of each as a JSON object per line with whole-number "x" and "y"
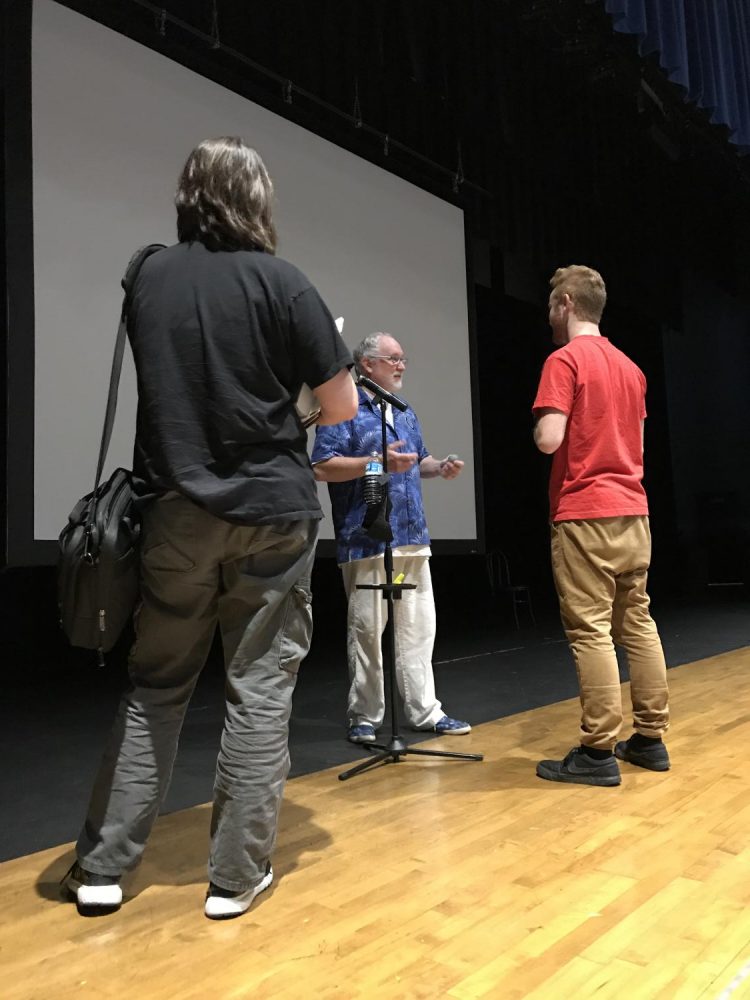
{"x": 372, "y": 488}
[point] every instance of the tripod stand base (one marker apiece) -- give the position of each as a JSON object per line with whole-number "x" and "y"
{"x": 395, "y": 750}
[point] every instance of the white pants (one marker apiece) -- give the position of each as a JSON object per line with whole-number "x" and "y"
{"x": 415, "y": 637}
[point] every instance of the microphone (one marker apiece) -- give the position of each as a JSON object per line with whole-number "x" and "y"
{"x": 388, "y": 397}
{"x": 372, "y": 488}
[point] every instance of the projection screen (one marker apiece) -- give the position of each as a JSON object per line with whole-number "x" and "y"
{"x": 112, "y": 124}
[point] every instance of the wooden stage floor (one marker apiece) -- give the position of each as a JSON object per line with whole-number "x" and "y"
{"x": 441, "y": 879}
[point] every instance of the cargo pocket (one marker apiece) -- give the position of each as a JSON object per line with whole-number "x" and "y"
{"x": 164, "y": 557}
{"x": 296, "y": 632}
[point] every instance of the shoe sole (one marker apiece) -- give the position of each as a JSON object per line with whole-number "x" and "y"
{"x": 96, "y": 909}
{"x": 238, "y": 908}
{"x": 577, "y": 779}
{"x": 362, "y": 739}
{"x": 644, "y": 762}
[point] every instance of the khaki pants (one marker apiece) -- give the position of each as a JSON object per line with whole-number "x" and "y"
{"x": 198, "y": 571}
{"x": 600, "y": 569}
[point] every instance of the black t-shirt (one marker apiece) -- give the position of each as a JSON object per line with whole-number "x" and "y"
{"x": 223, "y": 341}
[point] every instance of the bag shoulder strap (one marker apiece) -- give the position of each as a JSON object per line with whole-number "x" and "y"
{"x": 134, "y": 266}
{"x": 128, "y": 283}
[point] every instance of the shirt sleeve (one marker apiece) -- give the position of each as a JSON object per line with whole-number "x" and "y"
{"x": 557, "y": 384}
{"x": 319, "y": 349}
{"x": 643, "y": 396}
{"x": 331, "y": 441}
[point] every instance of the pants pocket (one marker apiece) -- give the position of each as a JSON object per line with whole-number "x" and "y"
{"x": 165, "y": 558}
{"x": 296, "y": 633}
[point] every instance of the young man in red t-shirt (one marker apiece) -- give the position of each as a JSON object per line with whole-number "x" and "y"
{"x": 589, "y": 412}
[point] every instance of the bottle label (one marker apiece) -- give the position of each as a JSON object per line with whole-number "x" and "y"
{"x": 373, "y": 467}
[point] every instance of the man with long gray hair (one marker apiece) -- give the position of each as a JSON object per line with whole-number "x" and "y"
{"x": 224, "y": 334}
{"x": 339, "y": 458}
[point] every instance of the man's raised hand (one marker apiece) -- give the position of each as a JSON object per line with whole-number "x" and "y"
{"x": 400, "y": 461}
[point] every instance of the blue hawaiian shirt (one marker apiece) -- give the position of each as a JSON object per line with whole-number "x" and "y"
{"x": 362, "y": 436}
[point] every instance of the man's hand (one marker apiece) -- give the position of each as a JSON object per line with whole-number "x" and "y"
{"x": 400, "y": 461}
{"x": 450, "y": 467}
{"x": 344, "y": 468}
{"x": 446, "y": 468}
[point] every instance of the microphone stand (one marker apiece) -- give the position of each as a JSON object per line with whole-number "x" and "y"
{"x": 397, "y": 747}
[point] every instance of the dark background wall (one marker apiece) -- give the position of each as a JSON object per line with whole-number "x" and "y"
{"x": 707, "y": 365}
{"x": 563, "y": 146}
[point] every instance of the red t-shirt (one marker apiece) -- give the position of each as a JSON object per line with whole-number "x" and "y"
{"x": 598, "y": 468}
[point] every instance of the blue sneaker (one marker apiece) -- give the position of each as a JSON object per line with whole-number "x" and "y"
{"x": 364, "y": 733}
{"x": 451, "y": 727}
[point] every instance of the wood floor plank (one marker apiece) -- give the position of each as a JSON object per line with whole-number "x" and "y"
{"x": 441, "y": 878}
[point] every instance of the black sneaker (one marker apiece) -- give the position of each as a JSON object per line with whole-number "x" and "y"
{"x": 93, "y": 893}
{"x": 653, "y": 757}
{"x": 223, "y": 904}
{"x": 580, "y": 769}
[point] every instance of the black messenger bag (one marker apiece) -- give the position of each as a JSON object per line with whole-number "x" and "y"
{"x": 97, "y": 575}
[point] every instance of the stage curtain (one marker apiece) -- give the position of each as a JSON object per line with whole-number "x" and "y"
{"x": 702, "y": 45}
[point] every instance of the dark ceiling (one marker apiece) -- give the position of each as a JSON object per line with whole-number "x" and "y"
{"x": 559, "y": 140}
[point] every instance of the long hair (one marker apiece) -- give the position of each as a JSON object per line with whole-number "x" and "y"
{"x": 224, "y": 198}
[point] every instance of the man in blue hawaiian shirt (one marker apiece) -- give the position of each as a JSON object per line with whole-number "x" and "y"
{"x": 339, "y": 458}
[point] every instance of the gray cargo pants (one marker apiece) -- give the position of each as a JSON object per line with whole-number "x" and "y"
{"x": 254, "y": 581}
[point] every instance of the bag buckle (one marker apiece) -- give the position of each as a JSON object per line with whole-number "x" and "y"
{"x": 89, "y": 542}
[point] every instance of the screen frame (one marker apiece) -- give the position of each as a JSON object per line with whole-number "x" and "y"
{"x": 21, "y": 547}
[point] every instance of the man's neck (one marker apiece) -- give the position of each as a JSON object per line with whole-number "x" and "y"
{"x": 582, "y": 328}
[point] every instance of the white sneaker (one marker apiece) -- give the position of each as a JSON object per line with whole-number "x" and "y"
{"x": 92, "y": 891}
{"x": 225, "y": 906}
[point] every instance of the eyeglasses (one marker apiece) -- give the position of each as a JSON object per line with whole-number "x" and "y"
{"x": 392, "y": 359}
